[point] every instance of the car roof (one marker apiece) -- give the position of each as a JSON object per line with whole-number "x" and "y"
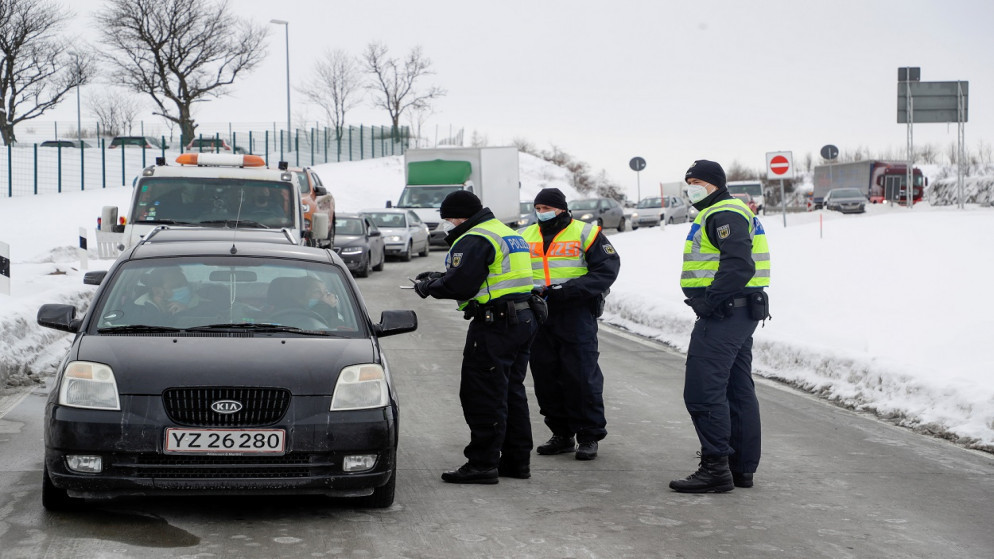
{"x": 206, "y": 241}
{"x": 385, "y": 210}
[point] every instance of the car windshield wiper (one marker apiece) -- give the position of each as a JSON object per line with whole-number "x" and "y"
{"x": 235, "y": 223}
{"x": 259, "y": 327}
{"x": 133, "y": 328}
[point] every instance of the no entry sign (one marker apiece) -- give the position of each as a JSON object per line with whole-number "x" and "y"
{"x": 780, "y": 165}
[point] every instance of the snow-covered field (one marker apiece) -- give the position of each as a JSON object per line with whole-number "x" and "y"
{"x": 881, "y": 311}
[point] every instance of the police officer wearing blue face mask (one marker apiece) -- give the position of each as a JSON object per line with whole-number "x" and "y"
{"x": 726, "y": 266}
{"x": 573, "y": 266}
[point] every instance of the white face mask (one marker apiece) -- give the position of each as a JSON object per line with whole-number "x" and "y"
{"x": 696, "y": 193}
{"x": 546, "y": 216}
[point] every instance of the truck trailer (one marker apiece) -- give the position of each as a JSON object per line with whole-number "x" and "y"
{"x": 432, "y": 174}
{"x": 878, "y": 180}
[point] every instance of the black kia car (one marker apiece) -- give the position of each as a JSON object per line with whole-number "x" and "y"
{"x": 212, "y": 362}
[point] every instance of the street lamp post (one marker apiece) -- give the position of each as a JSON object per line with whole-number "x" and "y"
{"x": 286, "y": 27}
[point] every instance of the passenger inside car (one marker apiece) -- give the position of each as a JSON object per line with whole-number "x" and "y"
{"x": 167, "y": 292}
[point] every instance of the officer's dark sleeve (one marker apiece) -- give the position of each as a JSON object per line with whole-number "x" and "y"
{"x": 603, "y": 265}
{"x": 735, "y": 264}
{"x": 462, "y": 282}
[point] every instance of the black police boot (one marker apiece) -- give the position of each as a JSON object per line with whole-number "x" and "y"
{"x": 469, "y": 474}
{"x": 742, "y": 479}
{"x": 516, "y": 469}
{"x": 587, "y": 451}
{"x": 558, "y": 444}
{"x": 713, "y": 476}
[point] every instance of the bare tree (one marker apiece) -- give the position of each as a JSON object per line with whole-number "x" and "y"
{"x": 334, "y": 86}
{"x": 38, "y": 67}
{"x": 395, "y": 82}
{"x": 115, "y": 111}
{"x": 179, "y": 52}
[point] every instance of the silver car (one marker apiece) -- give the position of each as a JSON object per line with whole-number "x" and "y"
{"x": 845, "y": 200}
{"x": 652, "y": 211}
{"x": 403, "y": 232}
{"x": 605, "y": 212}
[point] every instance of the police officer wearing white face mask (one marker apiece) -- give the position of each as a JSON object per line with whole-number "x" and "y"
{"x": 726, "y": 266}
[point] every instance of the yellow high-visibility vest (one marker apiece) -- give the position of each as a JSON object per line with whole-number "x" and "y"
{"x": 510, "y": 271}
{"x": 566, "y": 258}
{"x": 701, "y": 256}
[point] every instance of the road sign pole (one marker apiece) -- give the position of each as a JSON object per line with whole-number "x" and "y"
{"x": 783, "y": 204}
{"x": 638, "y": 186}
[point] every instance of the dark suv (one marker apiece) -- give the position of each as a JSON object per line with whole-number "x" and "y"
{"x": 225, "y": 363}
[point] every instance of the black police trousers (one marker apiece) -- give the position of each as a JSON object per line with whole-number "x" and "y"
{"x": 569, "y": 384}
{"x": 492, "y": 391}
{"x": 719, "y": 391}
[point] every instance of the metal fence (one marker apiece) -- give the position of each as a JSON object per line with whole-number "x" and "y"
{"x": 31, "y": 168}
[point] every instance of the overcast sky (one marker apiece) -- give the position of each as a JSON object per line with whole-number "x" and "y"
{"x": 668, "y": 81}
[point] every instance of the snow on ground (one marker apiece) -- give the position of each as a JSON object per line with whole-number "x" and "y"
{"x": 878, "y": 312}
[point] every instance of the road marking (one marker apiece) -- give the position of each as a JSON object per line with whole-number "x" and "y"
{"x": 11, "y": 400}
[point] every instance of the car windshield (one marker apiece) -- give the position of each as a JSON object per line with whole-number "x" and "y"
{"x": 348, "y": 226}
{"x": 650, "y": 203}
{"x": 527, "y": 207}
{"x": 590, "y": 204}
{"x": 425, "y": 196}
{"x": 227, "y": 293}
{"x": 846, "y": 193}
{"x": 189, "y": 200}
{"x": 754, "y": 189}
{"x": 386, "y": 219}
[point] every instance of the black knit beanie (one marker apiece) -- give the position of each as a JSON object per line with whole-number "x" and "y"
{"x": 552, "y": 197}
{"x": 461, "y": 203}
{"x": 707, "y": 171}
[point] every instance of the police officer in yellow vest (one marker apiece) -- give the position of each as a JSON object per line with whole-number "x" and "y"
{"x": 573, "y": 266}
{"x": 726, "y": 265}
{"x": 488, "y": 272}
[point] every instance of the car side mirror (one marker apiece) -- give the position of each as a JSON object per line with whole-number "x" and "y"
{"x": 396, "y": 322}
{"x": 374, "y": 233}
{"x": 58, "y": 317}
{"x": 95, "y": 277}
{"x": 320, "y": 190}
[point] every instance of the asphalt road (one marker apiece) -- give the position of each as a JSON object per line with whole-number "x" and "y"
{"x": 832, "y": 484}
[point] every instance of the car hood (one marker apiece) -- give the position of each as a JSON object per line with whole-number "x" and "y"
{"x": 393, "y": 230}
{"x": 349, "y": 240}
{"x": 151, "y": 364}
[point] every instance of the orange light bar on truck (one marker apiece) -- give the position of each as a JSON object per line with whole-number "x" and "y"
{"x": 221, "y": 160}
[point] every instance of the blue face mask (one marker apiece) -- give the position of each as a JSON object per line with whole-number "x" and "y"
{"x": 312, "y": 302}
{"x": 181, "y": 295}
{"x": 546, "y": 216}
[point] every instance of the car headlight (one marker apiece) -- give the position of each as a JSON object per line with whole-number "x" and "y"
{"x": 89, "y": 385}
{"x": 585, "y": 217}
{"x": 392, "y": 239}
{"x": 360, "y": 387}
{"x": 522, "y": 222}
{"x": 351, "y": 250}
{"x": 635, "y": 215}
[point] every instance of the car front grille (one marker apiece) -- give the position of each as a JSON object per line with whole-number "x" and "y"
{"x": 230, "y": 467}
{"x": 259, "y": 406}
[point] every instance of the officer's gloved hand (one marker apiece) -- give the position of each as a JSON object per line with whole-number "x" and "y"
{"x": 421, "y": 287}
{"x": 429, "y": 275}
{"x": 554, "y": 293}
{"x": 701, "y": 307}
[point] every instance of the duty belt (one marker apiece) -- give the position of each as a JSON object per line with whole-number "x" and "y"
{"x": 740, "y": 301}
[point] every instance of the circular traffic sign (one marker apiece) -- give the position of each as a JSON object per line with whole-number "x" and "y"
{"x": 829, "y": 152}
{"x": 637, "y": 163}
{"x": 779, "y": 165}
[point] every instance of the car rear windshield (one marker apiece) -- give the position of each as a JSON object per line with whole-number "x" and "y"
{"x": 650, "y": 203}
{"x": 228, "y": 293}
{"x": 193, "y": 201}
{"x": 425, "y": 196}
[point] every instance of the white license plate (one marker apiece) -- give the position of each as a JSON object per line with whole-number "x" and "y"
{"x": 225, "y": 441}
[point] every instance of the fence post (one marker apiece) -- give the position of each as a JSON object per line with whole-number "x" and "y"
{"x": 10, "y": 173}
{"x": 36, "y": 168}
{"x": 362, "y": 144}
{"x": 82, "y": 165}
{"x": 267, "y": 148}
{"x": 296, "y": 146}
{"x": 163, "y": 140}
{"x": 123, "y": 148}
{"x": 350, "y": 142}
{"x": 250, "y": 148}
{"x": 313, "y": 139}
{"x": 281, "y": 144}
{"x": 103, "y": 162}
{"x": 59, "y": 171}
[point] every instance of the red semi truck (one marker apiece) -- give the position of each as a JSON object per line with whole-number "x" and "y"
{"x": 878, "y": 180}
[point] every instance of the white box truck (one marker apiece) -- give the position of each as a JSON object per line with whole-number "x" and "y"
{"x": 489, "y": 172}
